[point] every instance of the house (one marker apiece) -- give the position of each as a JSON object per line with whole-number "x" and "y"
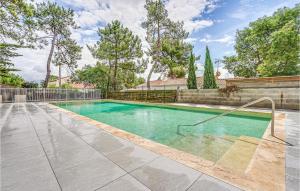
{"x": 174, "y": 83}
{"x": 67, "y": 80}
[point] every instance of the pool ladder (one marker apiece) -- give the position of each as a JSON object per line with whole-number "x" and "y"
{"x": 228, "y": 112}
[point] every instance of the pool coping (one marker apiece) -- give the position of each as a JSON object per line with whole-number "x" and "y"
{"x": 266, "y": 171}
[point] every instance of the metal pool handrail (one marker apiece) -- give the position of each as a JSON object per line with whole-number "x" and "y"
{"x": 243, "y": 106}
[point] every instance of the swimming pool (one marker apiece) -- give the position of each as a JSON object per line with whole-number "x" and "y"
{"x": 159, "y": 123}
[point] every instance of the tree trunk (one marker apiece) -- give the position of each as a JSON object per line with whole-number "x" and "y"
{"x": 59, "y": 75}
{"x": 49, "y": 62}
{"x": 108, "y": 79}
{"x": 115, "y": 76}
{"x": 157, "y": 54}
{"x": 149, "y": 76}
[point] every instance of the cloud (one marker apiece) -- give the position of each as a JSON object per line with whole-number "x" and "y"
{"x": 85, "y": 18}
{"x": 227, "y": 39}
{"x": 189, "y": 12}
{"x": 87, "y": 58}
{"x": 229, "y": 52}
{"x": 191, "y": 40}
{"x": 39, "y": 68}
{"x": 32, "y": 63}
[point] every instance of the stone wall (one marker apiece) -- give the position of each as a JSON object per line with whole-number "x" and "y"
{"x": 145, "y": 95}
{"x": 285, "y": 98}
{"x": 266, "y": 82}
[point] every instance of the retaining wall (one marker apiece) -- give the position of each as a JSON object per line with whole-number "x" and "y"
{"x": 285, "y": 98}
{"x": 266, "y": 82}
{"x": 145, "y": 95}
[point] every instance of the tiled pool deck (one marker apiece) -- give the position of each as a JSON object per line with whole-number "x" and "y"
{"x": 43, "y": 148}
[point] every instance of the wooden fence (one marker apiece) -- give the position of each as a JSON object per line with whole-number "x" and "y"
{"x": 160, "y": 96}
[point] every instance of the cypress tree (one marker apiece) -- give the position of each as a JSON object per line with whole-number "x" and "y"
{"x": 209, "y": 81}
{"x": 192, "y": 81}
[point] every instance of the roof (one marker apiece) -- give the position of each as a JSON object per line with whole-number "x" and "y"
{"x": 82, "y": 86}
{"x": 65, "y": 77}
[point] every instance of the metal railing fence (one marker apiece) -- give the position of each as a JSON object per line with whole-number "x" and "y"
{"x": 49, "y": 94}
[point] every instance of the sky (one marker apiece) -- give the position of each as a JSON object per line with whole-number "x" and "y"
{"x": 211, "y": 23}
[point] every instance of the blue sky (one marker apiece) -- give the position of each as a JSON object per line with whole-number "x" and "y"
{"x": 231, "y": 15}
{"x": 209, "y": 22}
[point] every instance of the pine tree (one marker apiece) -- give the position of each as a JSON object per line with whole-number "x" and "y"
{"x": 209, "y": 81}
{"x": 156, "y": 26}
{"x": 168, "y": 50}
{"x": 121, "y": 49}
{"x": 56, "y": 22}
{"x": 192, "y": 81}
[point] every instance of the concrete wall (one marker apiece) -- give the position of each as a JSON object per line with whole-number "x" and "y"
{"x": 267, "y": 82}
{"x": 173, "y": 87}
{"x": 145, "y": 95}
{"x": 285, "y": 98}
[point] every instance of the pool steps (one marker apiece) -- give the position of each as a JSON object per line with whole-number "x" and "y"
{"x": 239, "y": 155}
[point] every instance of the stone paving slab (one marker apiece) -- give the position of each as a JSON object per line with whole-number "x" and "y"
{"x": 131, "y": 157}
{"x": 105, "y": 142}
{"x": 125, "y": 183}
{"x": 13, "y": 156}
{"x": 121, "y": 152}
{"x": 89, "y": 175}
{"x": 206, "y": 182}
{"x": 292, "y": 125}
{"x": 18, "y": 123}
{"x": 166, "y": 174}
{"x": 37, "y": 176}
{"x": 24, "y": 165}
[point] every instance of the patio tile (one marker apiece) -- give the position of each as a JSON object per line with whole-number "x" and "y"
{"x": 105, "y": 142}
{"x": 293, "y": 151}
{"x": 125, "y": 183}
{"x": 131, "y": 157}
{"x": 71, "y": 157}
{"x": 293, "y": 118}
{"x": 292, "y": 165}
{"x": 16, "y": 164}
{"x": 208, "y": 183}
{"x": 292, "y": 178}
{"x": 10, "y": 154}
{"x": 63, "y": 118}
{"x": 88, "y": 175}
{"x": 21, "y": 143}
{"x": 38, "y": 177}
{"x": 21, "y": 139}
{"x": 3, "y": 110}
{"x": 165, "y": 174}
{"x": 16, "y": 124}
{"x": 51, "y": 131}
{"x": 293, "y": 137}
{"x": 54, "y": 146}
{"x": 292, "y": 184}
{"x": 53, "y": 137}
{"x": 84, "y": 129}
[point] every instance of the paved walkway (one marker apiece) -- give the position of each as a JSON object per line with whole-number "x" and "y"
{"x": 292, "y": 157}
{"x": 44, "y": 149}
